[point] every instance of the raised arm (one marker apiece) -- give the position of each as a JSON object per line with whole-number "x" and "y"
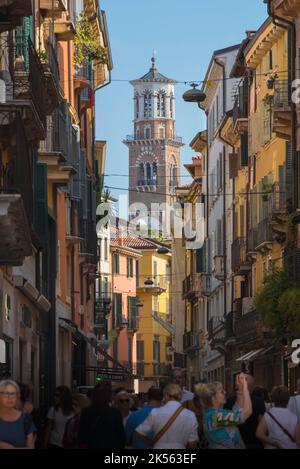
{"x": 243, "y": 397}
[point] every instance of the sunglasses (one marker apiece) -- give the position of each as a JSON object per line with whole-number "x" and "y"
{"x": 8, "y": 394}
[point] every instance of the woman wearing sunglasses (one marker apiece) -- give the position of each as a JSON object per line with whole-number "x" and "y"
{"x": 124, "y": 404}
{"x": 17, "y": 430}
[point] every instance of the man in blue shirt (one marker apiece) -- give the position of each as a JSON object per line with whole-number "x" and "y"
{"x": 155, "y": 396}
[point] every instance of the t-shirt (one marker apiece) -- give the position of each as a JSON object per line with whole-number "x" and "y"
{"x": 101, "y": 429}
{"x": 135, "y": 419}
{"x": 59, "y": 425}
{"x": 248, "y": 429}
{"x": 294, "y": 405}
{"x": 221, "y": 428}
{"x": 16, "y": 433}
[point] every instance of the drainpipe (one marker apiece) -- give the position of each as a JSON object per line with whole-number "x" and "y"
{"x": 290, "y": 26}
{"x": 221, "y": 64}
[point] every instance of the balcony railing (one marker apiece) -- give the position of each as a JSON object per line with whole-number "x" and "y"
{"x": 205, "y": 285}
{"x": 246, "y": 325}
{"x": 238, "y": 255}
{"x": 282, "y": 94}
{"x": 16, "y": 173}
{"x": 264, "y": 232}
{"x": 61, "y": 131}
{"x": 133, "y": 323}
{"x": 14, "y": 12}
{"x": 252, "y": 239}
{"x": 137, "y": 138}
{"x": 229, "y": 325}
{"x": 190, "y": 341}
{"x": 29, "y": 78}
{"x": 147, "y": 182}
{"x": 103, "y": 305}
{"x": 278, "y": 199}
{"x": 191, "y": 286}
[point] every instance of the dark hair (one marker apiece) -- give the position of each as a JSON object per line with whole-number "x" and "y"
{"x": 24, "y": 393}
{"x": 101, "y": 396}
{"x": 65, "y": 400}
{"x": 259, "y": 391}
{"x": 155, "y": 394}
{"x": 280, "y": 396}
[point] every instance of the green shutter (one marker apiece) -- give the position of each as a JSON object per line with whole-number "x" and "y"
{"x": 200, "y": 260}
{"x": 23, "y": 33}
{"x": 41, "y": 202}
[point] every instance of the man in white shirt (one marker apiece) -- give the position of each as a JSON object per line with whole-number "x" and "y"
{"x": 294, "y": 403}
{"x": 182, "y": 433}
{"x": 177, "y": 378}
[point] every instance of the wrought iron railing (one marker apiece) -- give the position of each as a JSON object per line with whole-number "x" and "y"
{"x": 190, "y": 340}
{"x": 264, "y": 232}
{"x": 238, "y": 253}
{"x": 132, "y": 138}
{"x": 37, "y": 83}
{"x": 282, "y": 94}
{"x": 246, "y": 325}
{"x": 16, "y": 174}
{"x": 277, "y": 198}
{"x": 252, "y": 239}
{"x": 229, "y": 325}
{"x": 214, "y": 323}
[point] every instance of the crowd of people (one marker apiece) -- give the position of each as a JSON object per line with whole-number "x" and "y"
{"x": 168, "y": 417}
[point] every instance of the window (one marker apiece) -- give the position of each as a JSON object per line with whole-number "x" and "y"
{"x": 155, "y": 272}
{"x": 140, "y": 350}
{"x": 100, "y": 249}
{"x": 271, "y": 60}
{"x": 154, "y": 172}
{"x": 137, "y": 133}
{"x": 137, "y": 106}
{"x": 171, "y": 106}
{"x": 161, "y": 132}
{"x": 147, "y": 133}
{"x": 117, "y": 310}
{"x": 161, "y": 108}
{"x": 116, "y": 264}
{"x": 130, "y": 350}
{"x": 105, "y": 249}
{"x": 156, "y": 351}
{"x": 155, "y": 304}
{"x": 147, "y": 105}
{"x": 148, "y": 172}
{"x": 129, "y": 267}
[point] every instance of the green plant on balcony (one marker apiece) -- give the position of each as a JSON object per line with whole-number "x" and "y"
{"x": 268, "y": 99}
{"x": 266, "y": 189}
{"x": 86, "y": 44}
{"x": 278, "y": 304}
{"x": 271, "y": 80}
{"x": 42, "y": 56}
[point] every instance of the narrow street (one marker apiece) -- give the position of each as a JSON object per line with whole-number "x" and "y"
{"x": 149, "y": 227}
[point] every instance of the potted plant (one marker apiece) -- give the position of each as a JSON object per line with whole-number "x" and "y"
{"x": 87, "y": 46}
{"x": 268, "y": 99}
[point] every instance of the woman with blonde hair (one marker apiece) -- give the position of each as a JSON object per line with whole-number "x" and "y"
{"x": 221, "y": 425}
{"x": 17, "y": 430}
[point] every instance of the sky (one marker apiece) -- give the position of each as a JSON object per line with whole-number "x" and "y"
{"x": 184, "y": 34}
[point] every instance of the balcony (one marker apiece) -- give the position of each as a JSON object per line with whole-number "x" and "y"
{"x": 245, "y": 327}
{"x": 240, "y": 113}
{"x": 82, "y": 78}
{"x": 191, "y": 287}
{"x": 133, "y": 323}
{"x": 29, "y": 90}
{"x": 51, "y": 72}
{"x": 233, "y": 165}
{"x": 229, "y": 327}
{"x": 238, "y": 308}
{"x": 278, "y": 211}
{"x": 12, "y": 13}
{"x": 264, "y": 236}
{"x": 103, "y": 305}
{"x": 218, "y": 269}
{"x": 190, "y": 341}
{"x": 247, "y": 305}
{"x": 134, "y": 139}
{"x": 16, "y": 202}
{"x": 282, "y": 115}
{"x": 60, "y": 6}
{"x": 240, "y": 264}
{"x": 252, "y": 244}
{"x": 65, "y": 24}
{"x": 55, "y": 150}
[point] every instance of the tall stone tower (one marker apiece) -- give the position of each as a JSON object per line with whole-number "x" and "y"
{"x": 154, "y": 148}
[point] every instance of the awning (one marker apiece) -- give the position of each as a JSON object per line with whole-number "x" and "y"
{"x": 254, "y": 354}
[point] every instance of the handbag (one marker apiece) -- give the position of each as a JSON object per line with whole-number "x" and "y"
{"x": 152, "y": 442}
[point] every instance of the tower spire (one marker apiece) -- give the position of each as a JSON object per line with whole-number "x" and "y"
{"x": 153, "y": 59}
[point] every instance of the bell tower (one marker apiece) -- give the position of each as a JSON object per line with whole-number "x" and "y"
{"x": 154, "y": 147}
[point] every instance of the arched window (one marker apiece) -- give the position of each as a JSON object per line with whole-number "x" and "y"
{"x": 161, "y": 105}
{"x": 141, "y": 174}
{"x": 137, "y": 133}
{"x": 148, "y": 172}
{"x": 162, "y": 132}
{"x": 137, "y": 106}
{"x": 147, "y": 133}
{"x": 174, "y": 175}
{"x": 154, "y": 172}
{"x": 147, "y": 105}
{"x": 171, "y": 132}
{"x": 171, "y": 106}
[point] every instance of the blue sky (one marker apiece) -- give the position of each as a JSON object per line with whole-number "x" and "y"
{"x": 184, "y": 34}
